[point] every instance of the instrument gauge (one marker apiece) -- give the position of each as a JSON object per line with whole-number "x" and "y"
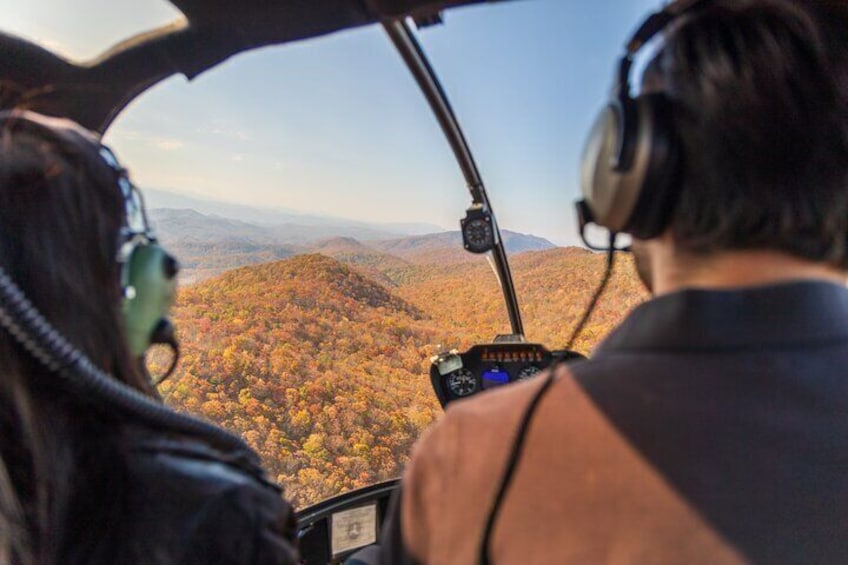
{"x": 528, "y": 372}
{"x": 478, "y": 230}
{"x": 479, "y": 236}
{"x": 462, "y": 382}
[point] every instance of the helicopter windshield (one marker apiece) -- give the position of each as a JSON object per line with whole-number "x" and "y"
{"x": 315, "y": 208}
{"x": 352, "y": 272}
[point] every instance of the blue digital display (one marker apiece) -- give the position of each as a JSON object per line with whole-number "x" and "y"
{"x": 494, "y": 378}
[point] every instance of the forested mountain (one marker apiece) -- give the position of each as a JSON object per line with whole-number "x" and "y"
{"x": 322, "y": 365}
{"x": 315, "y": 365}
{"x": 553, "y": 287}
{"x": 383, "y": 267}
{"x": 446, "y": 247}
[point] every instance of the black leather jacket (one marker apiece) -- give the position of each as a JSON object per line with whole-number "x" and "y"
{"x": 190, "y": 503}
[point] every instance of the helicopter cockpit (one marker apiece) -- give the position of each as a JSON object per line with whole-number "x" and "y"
{"x": 335, "y": 523}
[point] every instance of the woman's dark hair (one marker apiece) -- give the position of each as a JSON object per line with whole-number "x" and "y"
{"x": 61, "y": 212}
{"x": 759, "y": 95}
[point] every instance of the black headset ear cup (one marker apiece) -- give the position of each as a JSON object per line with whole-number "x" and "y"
{"x": 629, "y": 167}
{"x": 627, "y": 119}
{"x": 660, "y": 176}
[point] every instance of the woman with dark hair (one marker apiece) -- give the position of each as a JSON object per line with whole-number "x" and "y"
{"x": 93, "y": 469}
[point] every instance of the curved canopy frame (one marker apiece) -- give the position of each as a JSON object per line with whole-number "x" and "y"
{"x": 94, "y": 93}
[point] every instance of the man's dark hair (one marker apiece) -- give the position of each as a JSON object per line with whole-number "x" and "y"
{"x": 759, "y": 92}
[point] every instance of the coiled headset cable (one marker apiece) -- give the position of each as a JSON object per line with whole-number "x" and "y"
{"x": 39, "y": 338}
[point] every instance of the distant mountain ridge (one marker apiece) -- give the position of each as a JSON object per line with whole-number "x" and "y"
{"x": 515, "y": 242}
{"x": 156, "y": 199}
{"x": 177, "y": 224}
{"x": 208, "y": 244}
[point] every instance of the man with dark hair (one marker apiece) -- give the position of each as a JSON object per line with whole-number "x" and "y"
{"x": 712, "y": 425}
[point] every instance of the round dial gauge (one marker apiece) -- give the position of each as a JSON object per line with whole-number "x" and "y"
{"x": 528, "y": 372}
{"x": 479, "y": 235}
{"x": 462, "y": 382}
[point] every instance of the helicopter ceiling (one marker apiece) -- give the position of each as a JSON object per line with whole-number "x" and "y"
{"x": 93, "y": 93}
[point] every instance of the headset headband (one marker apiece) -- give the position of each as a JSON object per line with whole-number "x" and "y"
{"x": 136, "y": 213}
{"x": 655, "y": 24}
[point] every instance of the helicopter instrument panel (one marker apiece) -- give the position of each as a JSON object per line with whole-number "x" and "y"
{"x": 457, "y": 375}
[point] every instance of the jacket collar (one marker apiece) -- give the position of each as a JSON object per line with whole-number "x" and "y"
{"x": 790, "y": 313}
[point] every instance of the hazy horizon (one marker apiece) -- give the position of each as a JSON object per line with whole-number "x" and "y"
{"x": 156, "y": 204}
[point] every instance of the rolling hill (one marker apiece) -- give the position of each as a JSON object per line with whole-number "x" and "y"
{"x": 383, "y": 267}
{"x": 312, "y": 363}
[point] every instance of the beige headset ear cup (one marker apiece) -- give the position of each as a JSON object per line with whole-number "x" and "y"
{"x": 599, "y": 178}
{"x": 622, "y": 198}
{"x": 612, "y": 189}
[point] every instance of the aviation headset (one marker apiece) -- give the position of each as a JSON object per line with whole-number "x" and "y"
{"x": 629, "y": 171}
{"x": 148, "y": 272}
{"x": 632, "y": 158}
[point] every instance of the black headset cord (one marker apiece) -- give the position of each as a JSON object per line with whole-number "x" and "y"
{"x": 512, "y": 464}
{"x": 587, "y": 313}
{"x": 518, "y": 445}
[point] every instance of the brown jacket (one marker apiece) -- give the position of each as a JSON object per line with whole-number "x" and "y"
{"x": 711, "y": 427}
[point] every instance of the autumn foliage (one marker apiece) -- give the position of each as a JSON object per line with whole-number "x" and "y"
{"x": 322, "y": 366}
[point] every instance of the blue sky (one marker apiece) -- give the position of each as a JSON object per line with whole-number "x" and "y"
{"x": 336, "y": 125}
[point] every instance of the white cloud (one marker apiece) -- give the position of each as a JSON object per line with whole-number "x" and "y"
{"x": 166, "y": 144}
